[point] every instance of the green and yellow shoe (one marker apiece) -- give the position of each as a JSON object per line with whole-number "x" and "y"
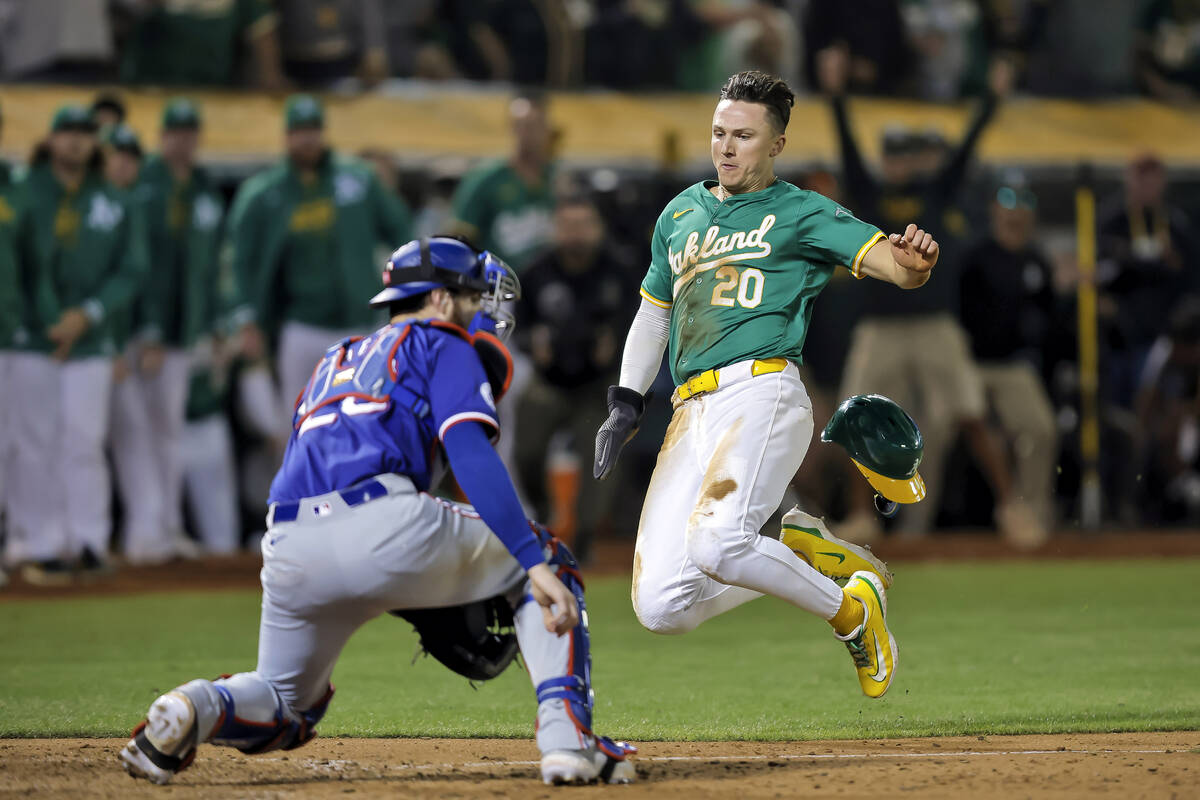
{"x": 871, "y": 644}
{"x": 835, "y": 558}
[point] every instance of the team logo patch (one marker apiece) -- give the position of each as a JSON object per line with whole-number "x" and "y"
{"x": 206, "y": 213}
{"x": 322, "y": 509}
{"x": 348, "y": 189}
{"x": 104, "y": 214}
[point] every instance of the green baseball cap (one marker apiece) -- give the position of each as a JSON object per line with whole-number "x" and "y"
{"x": 72, "y": 117}
{"x": 122, "y": 137}
{"x": 180, "y": 113}
{"x": 303, "y": 111}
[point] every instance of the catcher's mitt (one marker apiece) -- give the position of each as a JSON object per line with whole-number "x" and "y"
{"x": 476, "y": 640}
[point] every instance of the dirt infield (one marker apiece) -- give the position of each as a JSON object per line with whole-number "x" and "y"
{"x": 1147, "y": 765}
{"x": 614, "y": 557}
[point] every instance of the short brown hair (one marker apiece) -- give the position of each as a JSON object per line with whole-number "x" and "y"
{"x": 753, "y": 86}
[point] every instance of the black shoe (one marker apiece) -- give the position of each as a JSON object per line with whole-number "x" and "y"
{"x": 50, "y": 572}
{"x": 94, "y": 566}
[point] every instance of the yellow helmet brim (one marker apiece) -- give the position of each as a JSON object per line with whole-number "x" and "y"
{"x": 901, "y": 490}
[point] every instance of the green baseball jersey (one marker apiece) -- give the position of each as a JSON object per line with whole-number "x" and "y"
{"x": 12, "y": 313}
{"x": 511, "y": 218}
{"x": 83, "y": 248}
{"x": 192, "y": 42}
{"x": 184, "y": 220}
{"x": 306, "y": 251}
{"x": 740, "y": 276}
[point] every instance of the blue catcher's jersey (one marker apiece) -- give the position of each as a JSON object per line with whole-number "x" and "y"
{"x": 382, "y": 404}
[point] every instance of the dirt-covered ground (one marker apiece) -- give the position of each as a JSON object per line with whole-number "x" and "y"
{"x": 1143, "y": 765}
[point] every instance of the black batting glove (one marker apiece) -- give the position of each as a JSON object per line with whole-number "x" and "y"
{"x": 625, "y": 409}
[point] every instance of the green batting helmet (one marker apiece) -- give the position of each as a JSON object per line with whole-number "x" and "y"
{"x": 884, "y": 443}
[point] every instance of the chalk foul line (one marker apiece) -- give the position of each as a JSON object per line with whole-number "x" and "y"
{"x": 339, "y": 764}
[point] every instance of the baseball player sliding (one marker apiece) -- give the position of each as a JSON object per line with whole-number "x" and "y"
{"x": 736, "y": 265}
{"x": 352, "y": 533}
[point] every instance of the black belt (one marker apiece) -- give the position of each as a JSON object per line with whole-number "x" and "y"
{"x": 356, "y": 495}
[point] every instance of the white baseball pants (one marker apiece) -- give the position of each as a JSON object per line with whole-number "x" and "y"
{"x": 166, "y": 394}
{"x": 724, "y": 465}
{"x": 209, "y": 475}
{"x": 6, "y": 428}
{"x": 139, "y": 482}
{"x": 60, "y": 490}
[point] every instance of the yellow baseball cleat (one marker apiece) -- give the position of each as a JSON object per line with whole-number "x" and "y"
{"x": 835, "y": 558}
{"x": 871, "y": 644}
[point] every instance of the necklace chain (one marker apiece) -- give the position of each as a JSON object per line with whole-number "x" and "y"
{"x": 724, "y": 194}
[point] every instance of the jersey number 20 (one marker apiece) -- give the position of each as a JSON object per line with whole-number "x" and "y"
{"x": 749, "y": 286}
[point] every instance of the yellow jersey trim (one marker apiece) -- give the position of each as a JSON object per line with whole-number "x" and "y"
{"x": 653, "y": 299}
{"x": 856, "y": 267}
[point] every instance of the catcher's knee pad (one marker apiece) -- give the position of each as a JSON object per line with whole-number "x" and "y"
{"x": 254, "y": 719}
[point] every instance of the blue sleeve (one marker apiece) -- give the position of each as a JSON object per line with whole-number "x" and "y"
{"x": 481, "y": 474}
{"x": 459, "y": 390}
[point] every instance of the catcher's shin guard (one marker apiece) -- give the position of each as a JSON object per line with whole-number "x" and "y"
{"x": 603, "y": 759}
{"x": 257, "y": 721}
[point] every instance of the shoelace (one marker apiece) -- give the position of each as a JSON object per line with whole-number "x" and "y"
{"x": 858, "y": 651}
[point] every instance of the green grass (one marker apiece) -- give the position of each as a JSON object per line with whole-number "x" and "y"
{"x": 985, "y": 649}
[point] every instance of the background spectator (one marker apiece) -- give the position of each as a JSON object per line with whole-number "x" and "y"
{"x": 10, "y": 327}
{"x": 63, "y": 40}
{"x": 1168, "y": 412}
{"x": 1147, "y": 250}
{"x": 326, "y": 40}
{"x": 1168, "y": 50}
{"x": 139, "y": 484}
{"x": 108, "y": 109}
{"x": 195, "y": 42}
{"x": 304, "y": 237}
{"x": 184, "y": 212}
{"x": 575, "y": 308}
{"x": 1086, "y": 48}
{"x": 1009, "y": 311}
{"x": 877, "y": 56}
{"x": 412, "y": 50}
{"x": 910, "y": 346}
{"x": 632, "y": 45}
{"x": 60, "y": 495}
{"x": 505, "y": 206}
{"x": 1147, "y": 246}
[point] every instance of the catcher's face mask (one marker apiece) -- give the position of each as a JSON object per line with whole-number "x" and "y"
{"x": 503, "y": 289}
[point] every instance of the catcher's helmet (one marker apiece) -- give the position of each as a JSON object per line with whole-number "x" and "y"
{"x": 425, "y": 264}
{"x": 884, "y": 443}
